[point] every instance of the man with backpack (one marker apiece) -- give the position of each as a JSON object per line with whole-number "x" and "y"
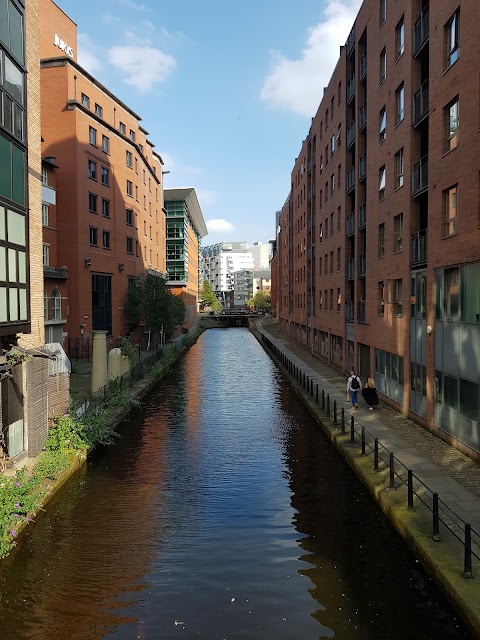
{"x": 353, "y": 386}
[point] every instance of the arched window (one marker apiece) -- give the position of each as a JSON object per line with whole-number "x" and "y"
{"x": 56, "y": 305}
{"x": 45, "y": 305}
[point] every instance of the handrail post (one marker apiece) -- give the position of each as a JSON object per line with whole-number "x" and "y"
{"x": 392, "y": 470}
{"x": 436, "y": 520}
{"x": 323, "y": 399}
{"x": 363, "y": 440}
{"x": 328, "y": 404}
{"x": 467, "y": 563}
{"x": 352, "y": 429}
{"x": 343, "y": 420}
{"x": 375, "y": 454}
{"x": 410, "y": 489}
{"x": 335, "y": 421}
{"x": 316, "y": 394}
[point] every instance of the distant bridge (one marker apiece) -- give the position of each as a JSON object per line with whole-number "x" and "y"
{"x": 233, "y": 317}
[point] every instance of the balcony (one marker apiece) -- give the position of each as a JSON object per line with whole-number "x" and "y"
{"x": 361, "y": 312}
{"x": 362, "y": 167}
{"x": 362, "y": 265}
{"x": 362, "y": 67}
{"x": 362, "y": 216}
{"x": 420, "y": 104}
{"x": 350, "y": 225}
{"x": 350, "y": 269}
{"x": 350, "y": 179}
{"x": 362, "y": 117}
{"x": 49, "y": 195}
{"x": 420, "y": 33}
{"x": 59, "y": 273}
{"x": 418, "y": 249}
{"x": 350, "y": 44}
{"x": 420, "y": 177}
{"x": 349, "y": 312}
{"x": 350, "y": 134}
{"x": 350, "y": 89}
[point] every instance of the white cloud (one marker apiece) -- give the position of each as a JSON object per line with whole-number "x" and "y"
{"x": 206, "y": 197}
{"x": 129, "y": 4}
{"x": 219, "y": 226}
{"x": 297, "y": 85}
{"x": 86, "y": 56}
{"x": 143, "y": 67}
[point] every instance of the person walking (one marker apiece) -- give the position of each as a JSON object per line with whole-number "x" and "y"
{"x": 369, "y": 394}
{"x": 353, "y": 386}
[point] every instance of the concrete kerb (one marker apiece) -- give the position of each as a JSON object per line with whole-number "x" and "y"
{"x": 443, "y": 560}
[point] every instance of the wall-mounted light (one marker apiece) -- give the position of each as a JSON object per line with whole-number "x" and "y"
{"x": 165, "y": 172}
{"x": 88, "y": 262}
{"x": 121, "y": 267}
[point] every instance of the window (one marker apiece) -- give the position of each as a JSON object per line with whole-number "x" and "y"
{"x": 132, "y": 135}
{"x": 399, "y": 168}
{"x": 92, "y": 202}
{"x": 106, "y": 239}
{"x": 320, "y": 266}
{"x": 56, "y": 305}
{"x": 105, "y": 144}
{"x": 85, "y": 101}
{"x": 105, "y": 208}
{"x": 339, "y": 93}
{"x": 45, "y": 215}
{"x": 46, "y": 254}
{"x": 122, "y": 128}
{"x": 326, "y": 265}
{"x": 331, "y": 299}
{"x": 381, "y": 298}
{"x": 92, "y": 169}
{"x": 129, "y": 217}
{"x": 129, "y": 159}
{"x": 45, "y": 305}
{"x": 326, "y": 227}
{"x": 44, "y": 176}
{"x": 98, "y": 110}
{"x": 339, "y": 258}
{"x": 383, "y": 125}
{"x": 339, "y": 174}
{"x": 381, "y": 240}
{"x": 331, "y": 261}
{"x": 332, "y": 146}
{"x": 381, "y": 183}
{"x": 332, "y": 224}
{"x": 130, "y": 246}
{"x": 395, "y": 297}
{"x": 321, "y": 235}
{"x": 452, "y": 39}
{"x": 93, "y": 236}
{"x": 326, "y": 120}
{"x": 332, "y": 107}
{"x": 383, "y": 66}
{"x": 398, "y": 233}
{"x": 400, "y": 100}
{"x": 400, "y": 38}
{"x": 339, "y": 300}
{"x": 140, "y": 146}
{"x": 450, "y": 211}
{"x": 451, "y": 125}
{"x": 92, "y": 136}
{"x": 339, "y": 136}
{"x": 129, "y": 188}
{"x": 332, "y": 185}
{"x": 383, "y": 11}
{"x": 105, "y": 176}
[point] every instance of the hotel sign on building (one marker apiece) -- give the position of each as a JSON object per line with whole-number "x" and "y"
{"x": 61, "y": 44}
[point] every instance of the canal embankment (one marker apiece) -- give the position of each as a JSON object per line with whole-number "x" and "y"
{"x": 428, "y": 490}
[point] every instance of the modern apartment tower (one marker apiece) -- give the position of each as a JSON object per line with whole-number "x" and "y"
{"x": 220, "y": 262}
{"x": 378, "y": 252}
{"x": 185, "y": 229}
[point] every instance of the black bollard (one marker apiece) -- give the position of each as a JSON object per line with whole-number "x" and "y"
{"x": 375, "y": 454}
{"x": 436, "y": 519}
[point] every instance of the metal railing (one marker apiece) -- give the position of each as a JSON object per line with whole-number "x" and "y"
{"x": 362, "y": 116}
{"x": 350, "y": 179}
{"x": 420, "y": 33}
{"x": 350, "y": 44}
{"x": 393, "y": 473}
{"x": 350, "y": 224}
{"x": 362, "y": 265}
{"x": 361, "y": 312}
{"x": 420, "y": 176}
{"x": 362, "y": 167}
{"x": 350, "y": 88}
{"x": 351, "y": 133}
{"x": 420, "y": 104}
{"x": 349, "y": 312}
{"x": 362, "y": 66}
{"x": 418, "y": 248}
{"x": 362, "y": 216}
{"x": 350, "y": 269}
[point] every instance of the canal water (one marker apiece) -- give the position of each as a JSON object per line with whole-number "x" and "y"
{"x": 222, "y": 513}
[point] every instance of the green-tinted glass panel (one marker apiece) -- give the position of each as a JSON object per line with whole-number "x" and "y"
{"x": 23, "y": 304}
{"x": 13, "y": 296}
{"x": 18, "y": 171}
{"x": 16, "y": 33}
{"x": 15, "y": 228}
{"x": 451, "y": 392}
{"x": 4, "y": 22}
{"x": 5, "y": 168}
{"x": 470, "y": 290}
{"x": 3, "y": 264}
{"x": 14, "y": 80}
{"x": 22, "y": 267}
{"x": 469, "y": 399}
{"x": 3, "y": 304}
{"x": 2, "y": 223}
{"x": 12, "y": 265}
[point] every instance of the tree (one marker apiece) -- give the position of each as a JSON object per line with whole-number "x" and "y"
{"x": 262, "y": 301}
{"x": 151, "y": 301}
{"x": 208, "y": 297}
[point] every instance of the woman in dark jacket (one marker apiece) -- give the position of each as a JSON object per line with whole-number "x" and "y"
{"x": 369, "y": 394}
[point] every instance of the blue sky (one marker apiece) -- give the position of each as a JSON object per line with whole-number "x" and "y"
{"x": 226, "y": 89}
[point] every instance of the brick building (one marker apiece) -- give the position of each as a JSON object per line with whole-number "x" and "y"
{"x": 379, "y": 243}
{"x": 109, "y": 214}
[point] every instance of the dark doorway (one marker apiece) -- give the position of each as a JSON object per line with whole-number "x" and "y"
{"x": 101, "y": 302}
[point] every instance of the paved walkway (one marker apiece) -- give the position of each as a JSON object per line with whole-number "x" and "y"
{"x": 445, "y": 470}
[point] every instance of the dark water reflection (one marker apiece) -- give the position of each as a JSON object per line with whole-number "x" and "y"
{"x": 222, "y": 513}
